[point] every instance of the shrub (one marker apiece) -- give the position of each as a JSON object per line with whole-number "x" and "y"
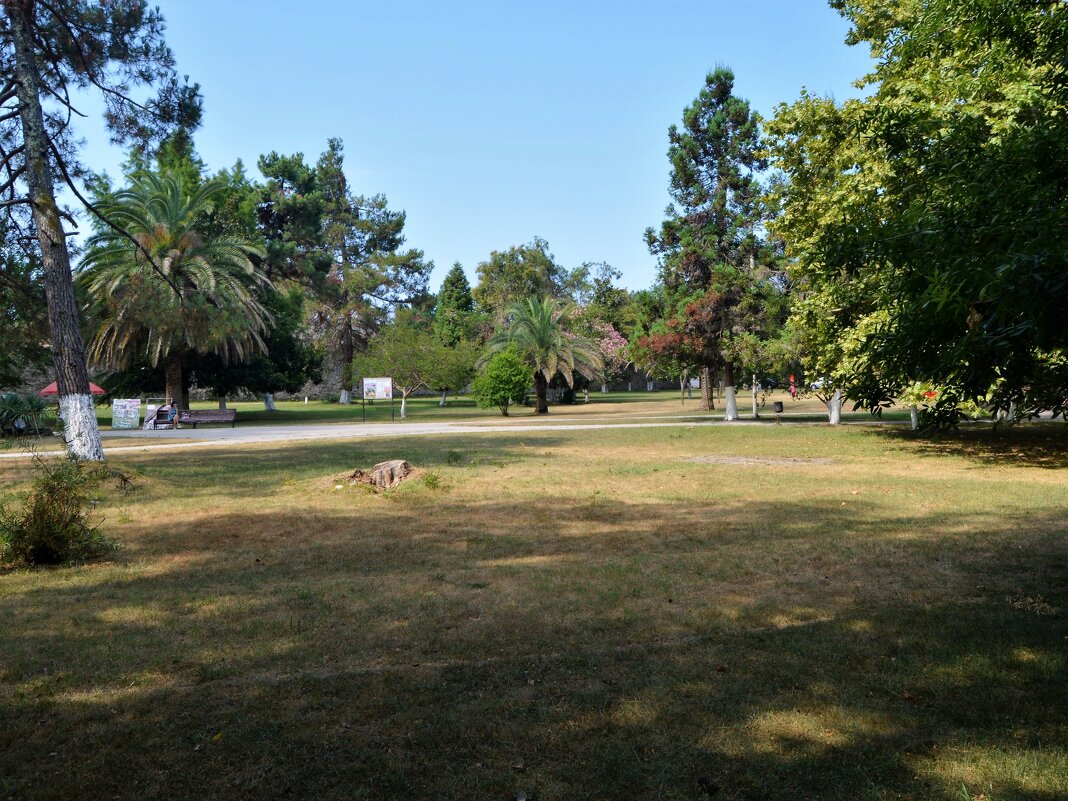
{"x": 504, "y": 381}
{"x": 52, "y": 524}
{"x": 23, "y": 414}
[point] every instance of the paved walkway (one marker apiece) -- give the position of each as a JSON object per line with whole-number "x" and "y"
{"x": 124, "y": 441}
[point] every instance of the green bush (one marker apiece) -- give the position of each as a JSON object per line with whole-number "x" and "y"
{"x": 53, "y": 523}
{"x": 23, "y": 414}
{"x": 503, "y": 382}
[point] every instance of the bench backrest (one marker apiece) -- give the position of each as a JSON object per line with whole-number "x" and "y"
{"x": 207, "y": 415}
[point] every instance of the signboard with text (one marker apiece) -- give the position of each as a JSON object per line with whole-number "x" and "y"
{"x": 125, "y": 413}
{"x": 377, "y": 388}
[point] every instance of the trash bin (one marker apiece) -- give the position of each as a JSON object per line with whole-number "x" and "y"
{"x": 778, "y": 407}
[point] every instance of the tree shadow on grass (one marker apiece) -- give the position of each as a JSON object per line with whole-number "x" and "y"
{"x": 1042, "y": 445}
{"x": 631, "y": 650}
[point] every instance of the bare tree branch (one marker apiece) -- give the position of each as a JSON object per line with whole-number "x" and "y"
{"x": 116, "y": 228}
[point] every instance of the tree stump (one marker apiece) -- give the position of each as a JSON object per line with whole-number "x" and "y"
{"x": 384, "y": 475}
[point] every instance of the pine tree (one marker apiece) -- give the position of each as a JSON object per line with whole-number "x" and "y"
{"x": 455, "y": 307}
{"x": 709, "y": 242}
{"x": 46, "y": 51}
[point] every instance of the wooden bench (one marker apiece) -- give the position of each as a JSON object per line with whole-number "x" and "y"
{"x": 191, "y": 417}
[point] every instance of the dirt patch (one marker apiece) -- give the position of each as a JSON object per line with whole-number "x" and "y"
{"x": 760, "y": 461}
{"x": 383, "y": 476}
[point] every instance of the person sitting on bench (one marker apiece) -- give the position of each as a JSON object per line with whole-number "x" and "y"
{"x": 172, "y": 413}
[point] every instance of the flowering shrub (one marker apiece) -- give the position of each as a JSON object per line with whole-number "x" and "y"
{"x": 613, "y": 348}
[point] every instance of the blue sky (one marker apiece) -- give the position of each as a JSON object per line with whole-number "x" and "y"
{"x": 493, "y": 122}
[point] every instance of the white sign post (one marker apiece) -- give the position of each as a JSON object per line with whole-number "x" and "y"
{"x": 377, "y": 389}
{"x": 125, "y": 413}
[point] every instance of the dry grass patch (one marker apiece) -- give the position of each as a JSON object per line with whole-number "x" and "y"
{"x": 589, "y": 606}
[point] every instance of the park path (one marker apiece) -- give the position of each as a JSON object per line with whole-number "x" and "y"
{"x": 125, "y": 441}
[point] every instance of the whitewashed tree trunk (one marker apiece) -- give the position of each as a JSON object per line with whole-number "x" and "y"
{"x": 604, "y": 388}
{"x": 222, "y": 403}
{"x": 682, "y": 388}
{"x": 756, "y": 413}
{"x": 834, "y": 408}
{"x": 732, "y": 403}
{"x": 268, "y": 402}
{"x": 914, "y": 415}
{"x": 346, "y": 397}
{"x": 79, "y": 427}
{"x": 648, "y": 386}
{"x": 68, "y": 349}
{"x": 729, "y": 394}
{"x": 444, "y": 392}
{"x": 404, "y": 405}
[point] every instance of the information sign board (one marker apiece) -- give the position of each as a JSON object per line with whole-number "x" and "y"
{"x": 377, "y": 388}
{"x": 125, "y": 413}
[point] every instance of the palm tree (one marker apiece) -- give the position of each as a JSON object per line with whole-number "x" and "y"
{"x": 538, "y": 331}
{"x": 162, "y": 289}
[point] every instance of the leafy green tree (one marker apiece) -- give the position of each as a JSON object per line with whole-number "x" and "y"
{"x": 49, "y": 51}
{"x": 710, "y": 242}
{"x": 406, "y": 350}
{"x": 518, "y": 273}
{"x": 607, "y": 303}
{"x": 164, "y": 291}
{"x": 502, "y": 382}
{"x": 926, "y": 219}
{"x": 453, "y": 366}
{"x": 538, "y": 330}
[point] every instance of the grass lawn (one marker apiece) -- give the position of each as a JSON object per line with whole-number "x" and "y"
{"x": 852, "y": 613}
{"x": 426, "y": 409}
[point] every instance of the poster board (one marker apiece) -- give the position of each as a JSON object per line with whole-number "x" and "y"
{"x": 125, "y": 413}
{"x": 378, "y": 388}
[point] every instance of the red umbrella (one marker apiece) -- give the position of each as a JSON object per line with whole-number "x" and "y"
{"x": 53, "y": 389}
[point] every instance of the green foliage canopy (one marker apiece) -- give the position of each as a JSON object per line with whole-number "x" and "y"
{"x": 927, "y": 220}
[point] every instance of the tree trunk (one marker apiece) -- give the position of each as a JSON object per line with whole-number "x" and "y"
{"x": 604, "y": 388}
{"x": 184, "y": 402}
{"x": 222, "y": 402}
{"x": 834, "y": 408}
{"x": 756, "y": 413}
{"x": 68, "y": 349}
{"x": 541, "y": 387}
{"x": 268, "y": 402}
{"x": 444, "y": 392}
{"x": 346, "y": 366}
{"x": 732, "y": 400}
{"x": 172, "y": 371}
{"x": 914, "y": 416}
{"x": 707, "y": 404}
{"x": 682, "y": 388}
{"x": 404, "y": 404}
